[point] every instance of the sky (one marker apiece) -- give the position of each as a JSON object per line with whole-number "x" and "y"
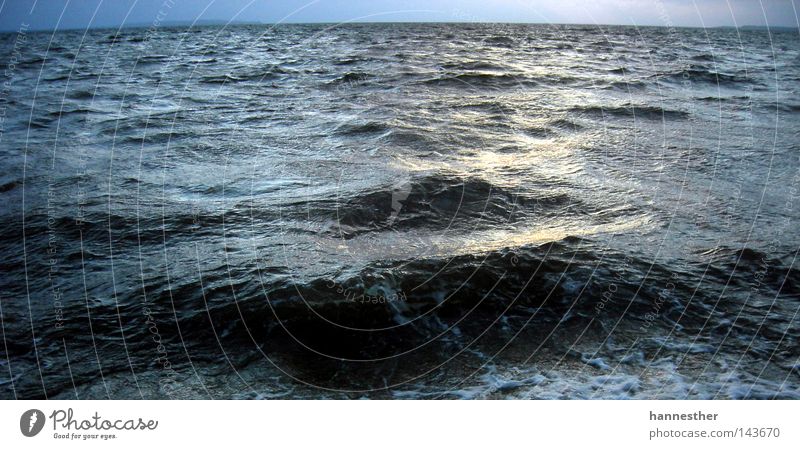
{"x": 71, "y": 14}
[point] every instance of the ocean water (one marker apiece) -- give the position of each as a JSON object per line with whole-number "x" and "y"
{"x": 400, "y": 211}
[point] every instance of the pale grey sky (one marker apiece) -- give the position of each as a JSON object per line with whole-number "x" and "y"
{"x": 49, "y": 14}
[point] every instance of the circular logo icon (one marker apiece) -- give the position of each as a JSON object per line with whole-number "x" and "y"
{"x": 31, "y": 422}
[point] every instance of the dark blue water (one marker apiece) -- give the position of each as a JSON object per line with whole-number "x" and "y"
{"x": 400, "y": 211}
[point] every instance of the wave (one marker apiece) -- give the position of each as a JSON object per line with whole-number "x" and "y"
{"x": 434, "y": 202}
{"x": 474, "y": 66}
{"x": 364, "y": 128}
{"x": 481, "y": 80}
{"x": 238, "y": 77}
{"x": 500, "y": 41}
{"x": 627, "y": 85}
{"x": 351, "y": 78}
{"x": 696, "y": 74}
{"x": 631, "y": 111}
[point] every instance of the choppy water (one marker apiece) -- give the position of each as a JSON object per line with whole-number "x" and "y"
{"x": 400, "y": 211}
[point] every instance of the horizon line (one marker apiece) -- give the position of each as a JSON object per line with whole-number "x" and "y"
{"x": 224, "y": 23}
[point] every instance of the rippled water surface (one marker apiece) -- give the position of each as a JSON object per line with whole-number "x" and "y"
{"x": 400, "y": 211}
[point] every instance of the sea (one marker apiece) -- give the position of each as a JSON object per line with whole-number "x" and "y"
{"x": 400, "y": 211}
